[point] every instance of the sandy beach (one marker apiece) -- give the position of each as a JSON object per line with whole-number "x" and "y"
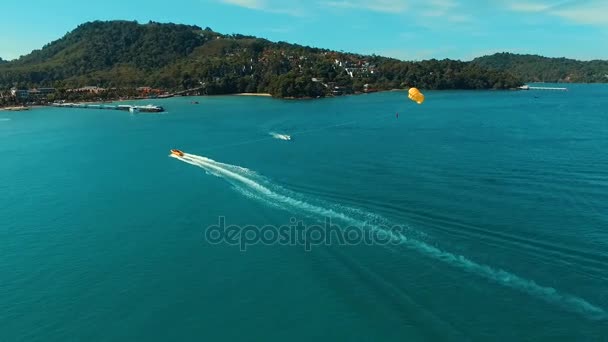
{"x": 14, "y": 109}
{"x": 253, "y": 94}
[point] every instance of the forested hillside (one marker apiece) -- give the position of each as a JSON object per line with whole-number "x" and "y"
{"x": 533, "y": 68}
{"x": 176, "y": 57}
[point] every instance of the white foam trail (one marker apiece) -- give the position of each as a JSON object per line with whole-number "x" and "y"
{"x": 5, "y": 119}
{"x": 285, "y": 199}
{"x": 224, "y": 170}
{"x": 280, "y": 136}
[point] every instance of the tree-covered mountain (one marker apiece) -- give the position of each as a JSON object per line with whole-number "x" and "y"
{"x": 2, "y": 61}
{"x": 177, "y": 57}
{"x": 119, "y": 47}
{"x": 534, "y": 68}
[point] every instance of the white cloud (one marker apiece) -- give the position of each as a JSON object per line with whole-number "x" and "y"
{"x": 292, "y": 8}
{"x": 387, "y": 6}
{"x": 445, "y": 9}
{"x": 253, "y": 4}
{"x": 593, "y": 15}
{"x": 442, "y": 5}
{"x": 296, "y": 7}
{"x": 528, "y": 7}
{"x": 591, "y": 12}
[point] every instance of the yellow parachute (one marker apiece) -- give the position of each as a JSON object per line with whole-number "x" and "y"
{"x": 415, "y": 95}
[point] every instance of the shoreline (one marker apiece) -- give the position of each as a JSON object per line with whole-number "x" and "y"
{"x": 252, "y": 94}
{"x": 19, "y": 108}
{"x": 109, "y": 101}
{"x": 15, "y": 108}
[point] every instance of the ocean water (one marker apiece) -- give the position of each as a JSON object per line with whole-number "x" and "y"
{"x": 475, "y": 216}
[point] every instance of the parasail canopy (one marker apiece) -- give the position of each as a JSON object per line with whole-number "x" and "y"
{"x": 415, "y": 95}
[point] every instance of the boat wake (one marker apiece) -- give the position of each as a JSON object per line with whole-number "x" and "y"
{"x": 5, "y": 119}
{"x": 254, "y": 186}
{"x": 280, "y": 136}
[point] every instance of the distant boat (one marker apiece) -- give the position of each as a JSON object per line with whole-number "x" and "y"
{"x": 133, "y": 110}
{"x": 151, "y": 108}
{"x": 527, "y": 87}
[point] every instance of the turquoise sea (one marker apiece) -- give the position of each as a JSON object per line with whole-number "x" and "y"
{"x": 485, "y": 217}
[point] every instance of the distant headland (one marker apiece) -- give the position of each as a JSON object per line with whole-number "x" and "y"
{"x": 108, "y": 60}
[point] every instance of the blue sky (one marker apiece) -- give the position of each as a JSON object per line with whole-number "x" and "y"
{"x": 405, "y": 29}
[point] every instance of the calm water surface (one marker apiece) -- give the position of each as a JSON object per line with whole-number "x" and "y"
{"x": 502, "y": 198}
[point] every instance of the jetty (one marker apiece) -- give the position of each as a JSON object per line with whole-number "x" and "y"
{"x": 129, "y": 108}
{"x": 527, "y": 87}
{"x": 188, "y": 91}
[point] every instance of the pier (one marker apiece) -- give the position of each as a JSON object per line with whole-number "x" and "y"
{"x": 527, "y": 87}
{"x": 133, "y": 109}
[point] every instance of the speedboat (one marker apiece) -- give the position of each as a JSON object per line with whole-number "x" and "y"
{"x": 177, "y": 153}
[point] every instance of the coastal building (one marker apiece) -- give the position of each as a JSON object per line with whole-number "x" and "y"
{"x": 46, "y": 91}
{"x": 19, "y": 93}
{"x": 40, "y": 93}
{"x": 87, "y": 89}
{"x": 338, "y": 90}
{"x": 35, "y": 93}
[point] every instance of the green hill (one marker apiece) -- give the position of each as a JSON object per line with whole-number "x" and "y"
{"x": 93, "y": 48}
{"x": 177, "y": 57}
{"x": 534, "y": 68}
